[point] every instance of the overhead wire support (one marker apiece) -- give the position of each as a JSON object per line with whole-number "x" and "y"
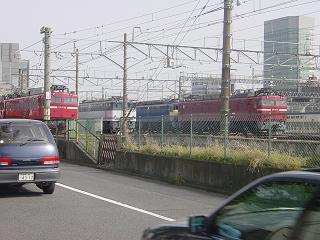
{"x": 157, "y": 45}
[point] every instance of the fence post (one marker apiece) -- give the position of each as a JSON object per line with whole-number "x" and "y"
{"x": 191, "y": 132}
{"x": 139, "y": 132}
{"x": 57, "y": 125}
{"x": 87, "y": 140}
{"x": 68, "y": 130}
{"x": 77, "y": 131}
{"x": 65, "y": 130}
{"x": 269, "y": 136}
{"x": 121, "y": 132}
{"x": 94, "y": 148}
{"x": 161, "y": 133}
{"x": 225, "y": 139}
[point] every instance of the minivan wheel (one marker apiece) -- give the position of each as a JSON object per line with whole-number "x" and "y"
{"x": 48, "y": 188}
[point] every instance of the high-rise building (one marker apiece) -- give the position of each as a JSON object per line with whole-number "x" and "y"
{"x": 288, "y": 35}
{"x": 14, "y": 72}
{"x": 9, "y": 64}
{"x": 24, "y": 75}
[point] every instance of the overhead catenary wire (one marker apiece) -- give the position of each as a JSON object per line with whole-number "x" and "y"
{"x": 276, "y": 5}
{"x": 200, "y": 14}
{"x": 126, "y": 20}
{"x": 238, "y": 16}
{"x": 194, "y": 28}
{"x": 269, "y": 7}
{"x": 118, "y": 30}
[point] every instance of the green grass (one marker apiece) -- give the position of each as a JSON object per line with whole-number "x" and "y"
{"x": 252, "y": 157}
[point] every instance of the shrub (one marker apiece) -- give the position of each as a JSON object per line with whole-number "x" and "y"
{"x": 253, "y": 157}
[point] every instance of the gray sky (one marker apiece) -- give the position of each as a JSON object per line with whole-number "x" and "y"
{"x": 21, "y": 22}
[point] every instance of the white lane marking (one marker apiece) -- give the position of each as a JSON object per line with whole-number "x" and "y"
{"x": 116, "y": 203}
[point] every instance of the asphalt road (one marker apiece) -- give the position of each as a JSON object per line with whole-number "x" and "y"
{"x": 92, "y": 204}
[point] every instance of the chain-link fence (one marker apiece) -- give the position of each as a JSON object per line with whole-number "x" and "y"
{"x": 95, "y": 126}
{"x": 277, "y": 139}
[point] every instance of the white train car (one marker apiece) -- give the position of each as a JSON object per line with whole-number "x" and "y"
{"x": 304, "y": 123}
{"x": 109, "y": 111}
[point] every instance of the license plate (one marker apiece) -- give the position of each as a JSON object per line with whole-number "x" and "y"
{"x": 26, "y": 177}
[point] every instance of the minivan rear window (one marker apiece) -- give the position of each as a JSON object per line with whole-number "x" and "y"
{"x": 19, "y": 132}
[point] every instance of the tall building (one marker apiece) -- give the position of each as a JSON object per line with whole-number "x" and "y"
{"x": 14, "y": 72}
{"x": 23, "y": 75}
{"x": 9, "y": 64}
{"x": 292, "y": 34}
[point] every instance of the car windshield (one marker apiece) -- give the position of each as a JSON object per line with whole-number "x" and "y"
{"x": 11, "y": 132}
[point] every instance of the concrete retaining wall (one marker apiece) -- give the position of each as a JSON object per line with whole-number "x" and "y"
{"x": 73, "y": 153}
{"x": 217, "y": 177}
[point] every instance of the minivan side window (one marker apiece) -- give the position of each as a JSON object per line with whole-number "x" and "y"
{"x": 268, "y": 211}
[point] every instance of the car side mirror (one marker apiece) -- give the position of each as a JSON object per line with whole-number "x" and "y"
{"x": 198, "y": 224}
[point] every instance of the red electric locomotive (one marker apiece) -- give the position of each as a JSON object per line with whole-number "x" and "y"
{"x": 64, "y": 105}
{"x": 251, "y": 112}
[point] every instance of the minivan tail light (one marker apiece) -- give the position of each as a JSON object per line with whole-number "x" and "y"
{"x": 50, "y": 160}
{"x": 5, "y": 161}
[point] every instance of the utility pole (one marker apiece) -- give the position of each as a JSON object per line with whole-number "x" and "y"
{"x": 77, "y": 71}
{"x": 125, "y": 91}
{"x": 253, "y": 77}
{"x": 180, "y": 93}
{"x": 225, "y": 83}
{"x": 47, "y": 71}
{"x": 77, "y": 90}
{"x": 147, "y": 91}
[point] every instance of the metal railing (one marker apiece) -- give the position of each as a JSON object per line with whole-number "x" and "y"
{"x": 84, "y": 137}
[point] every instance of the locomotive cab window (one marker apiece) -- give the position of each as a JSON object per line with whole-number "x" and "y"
{"x": 67, "y": 100}
{"x": 56, "y": 99}
{"x": 70, "y": 100}
{"x": 280, "y": 103}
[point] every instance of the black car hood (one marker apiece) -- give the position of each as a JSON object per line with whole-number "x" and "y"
{"x": 174, "y": 228}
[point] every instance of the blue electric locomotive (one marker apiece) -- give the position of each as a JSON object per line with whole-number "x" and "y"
{"x": 152, "y": 114}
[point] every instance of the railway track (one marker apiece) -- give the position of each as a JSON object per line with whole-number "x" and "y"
{"x": 296, "y": 137}
{"x": 284, "y": 137}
